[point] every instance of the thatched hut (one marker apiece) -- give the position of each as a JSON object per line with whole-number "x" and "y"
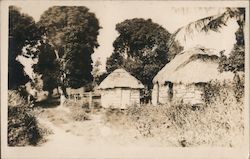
{"x": 75, "y": 93}
{"x": 120, "y": 90}
{"x": 184, "y": 77}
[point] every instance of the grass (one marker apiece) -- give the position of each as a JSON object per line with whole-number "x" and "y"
{"x": 78, "y": 111}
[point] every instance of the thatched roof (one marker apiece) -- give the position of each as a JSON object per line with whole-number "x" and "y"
{"x": 80, "y": 90}
{"x": 192, "y": 66}
{"x": 120, "y": 79}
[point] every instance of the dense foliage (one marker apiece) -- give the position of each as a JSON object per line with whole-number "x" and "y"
{"x": 23, "y": 31}
{"x": 96, "y": 72}
{"x": 236, "y": 60}
{"x": 141, "y": 48}
{"x": 48, "y": 66}
{"x": 72, "y": 31}
{"x": 22, "y": 124}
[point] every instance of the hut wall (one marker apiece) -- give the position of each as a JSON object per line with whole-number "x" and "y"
{"x": 111, "y": 98}
{"x": 155, "y": 93}
{"x": 125, "y": 98}
{"x": 160, "y": 94}
{"x": 188, "y": 93}
{"x": 163, "y": 94}
{"x": 135, "y": 97}
{"x": 120, "y": 98}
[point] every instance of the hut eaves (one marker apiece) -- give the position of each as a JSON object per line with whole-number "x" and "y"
{"x": 120, "y": 78}
{"x": 192, "y": 66}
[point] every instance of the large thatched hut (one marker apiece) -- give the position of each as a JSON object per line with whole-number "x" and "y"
{"x": 120, "y": 90}
{"x": 184, "y": 78}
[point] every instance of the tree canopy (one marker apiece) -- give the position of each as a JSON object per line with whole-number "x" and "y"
{"x": 236, "y": 60}
{"x": 23, "y": 31}
{"x": 48, "y": 66}
{"x": 141, "y": 48}
{"x": 72, "y": 32}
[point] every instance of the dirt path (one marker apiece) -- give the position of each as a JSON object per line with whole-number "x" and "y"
{"x": 94, "y": 131}
{"x": 69, "y": 132}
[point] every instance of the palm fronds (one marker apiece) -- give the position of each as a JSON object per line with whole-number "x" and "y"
{"x": 207, "y": 24}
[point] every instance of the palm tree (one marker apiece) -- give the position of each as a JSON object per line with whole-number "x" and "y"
{"x": 208, "y": 24}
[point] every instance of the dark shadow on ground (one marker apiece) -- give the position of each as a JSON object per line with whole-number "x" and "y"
{"x": 48, "y": 103}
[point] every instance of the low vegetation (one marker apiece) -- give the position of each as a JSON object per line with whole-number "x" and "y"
{"x": 78, "y": 111}
{"x": 218, "y": 123}
{"x": 22, "y": 124}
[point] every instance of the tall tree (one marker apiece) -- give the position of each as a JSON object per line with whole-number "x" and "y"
{"x": 72, "y": 31}
{"x": 141, "y": 48}
{"x": 23, "y": 31}
{"x": 48, "y": 66}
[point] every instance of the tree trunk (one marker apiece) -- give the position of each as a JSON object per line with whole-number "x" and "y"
{"x": 62, "y": 96}
{"x": 50, "y": 92}
{"x": 57, "y": 55}
{"x": 61, "y": 89}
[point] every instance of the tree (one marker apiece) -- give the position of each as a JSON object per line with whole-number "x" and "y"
{"x": 72, "y": 31}
{"x": 236, "y": 60}
{"x": 23, "y": 31}
{"x": 96, "y": 71}
{"x": 48, "y": 67}
{"x": 114, "y": 61}
{"x": 141, "y": 48}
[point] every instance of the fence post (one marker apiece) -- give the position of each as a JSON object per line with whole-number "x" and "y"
{"x": 90, "y": 100}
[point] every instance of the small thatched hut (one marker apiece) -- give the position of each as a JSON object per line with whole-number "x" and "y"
{"x": 120, "y": 90}
{"x": 75, "y": 94}
{"x": 185, "y": 76}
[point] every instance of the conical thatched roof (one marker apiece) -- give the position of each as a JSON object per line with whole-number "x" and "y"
{"x": 120, "y": 79}
{"x": 192, "y": 66}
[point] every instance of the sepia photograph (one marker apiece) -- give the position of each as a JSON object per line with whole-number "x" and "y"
{"x": 127, "y": 74}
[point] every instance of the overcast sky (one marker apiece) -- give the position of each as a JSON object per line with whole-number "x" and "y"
{"x": 110, "y": 13}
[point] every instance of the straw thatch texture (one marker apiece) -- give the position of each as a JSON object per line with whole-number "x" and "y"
{"x": 120, "y": 79}
{"x": 120, "y": 90}
{"x": 192, "y": 66}
{"x": 184, "y": 77}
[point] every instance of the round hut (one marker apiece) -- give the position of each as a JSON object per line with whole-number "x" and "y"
{"x": 184, "y": 77}
{"x": 120, "y": 90}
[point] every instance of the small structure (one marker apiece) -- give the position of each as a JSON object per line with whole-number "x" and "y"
{"x": 75, "y": 94}
{"x": 120, "y": 90}
{"x": 184, "y": 77}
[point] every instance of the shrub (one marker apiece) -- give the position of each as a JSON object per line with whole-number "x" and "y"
{"x": 238, "y": 86}
{"x": 22, "y": 125}
{"x": 219, "y": 91}
{"x": 79, "y": 111}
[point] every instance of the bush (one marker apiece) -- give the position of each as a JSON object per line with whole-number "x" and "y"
{"x": 142, "y": 118}
{"x": 79, "y": 111}
{"x": 22, "y": 125}
{"x": 238, "y": 86}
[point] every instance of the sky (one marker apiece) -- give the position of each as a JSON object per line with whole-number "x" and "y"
{"x": 109, "y": 13}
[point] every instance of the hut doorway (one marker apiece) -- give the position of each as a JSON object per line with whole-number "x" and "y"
{"x": 170, "y": 91}
{"x": 169, "y": 87}
{"x": 125, "y": 98}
